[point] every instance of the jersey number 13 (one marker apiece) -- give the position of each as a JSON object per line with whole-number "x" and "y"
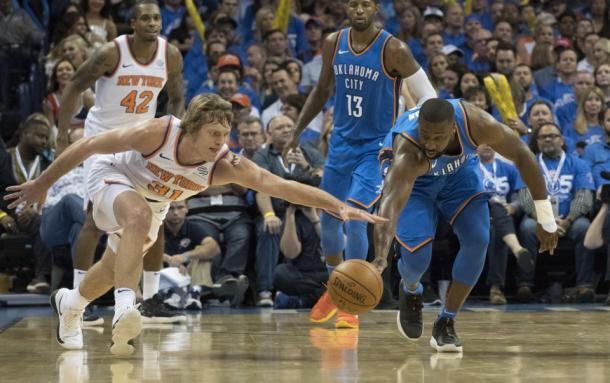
{"x": 354, "y": 105}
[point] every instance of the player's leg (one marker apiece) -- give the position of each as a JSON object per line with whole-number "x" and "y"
{"x": 70, "y": 304}
{"x": 364, "y": 191}
{"x": 471, "y": 225}
{"x": 414, "y": 232}
{"x": 86, "y": 243}
{"x": 336, "y": 181}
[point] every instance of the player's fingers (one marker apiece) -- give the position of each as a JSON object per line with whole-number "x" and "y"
{"x": 12, "y": 196}
{"x": 15, "y": 203}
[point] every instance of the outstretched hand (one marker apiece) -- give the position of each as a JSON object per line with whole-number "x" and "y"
{"x": 351, "y": 213}
{"x": 30, "y": 193}
{"x": 548, "y": 241}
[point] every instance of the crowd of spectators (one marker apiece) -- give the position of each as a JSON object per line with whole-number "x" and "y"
{"x": 264, "y": 56}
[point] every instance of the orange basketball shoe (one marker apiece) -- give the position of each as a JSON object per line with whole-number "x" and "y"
{"x": 346, "y": 320}
{"x": 323, "y": 310}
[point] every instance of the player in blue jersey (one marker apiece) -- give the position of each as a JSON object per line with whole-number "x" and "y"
{"x": 434, "y": 170}
{"x": 363, "y": 65}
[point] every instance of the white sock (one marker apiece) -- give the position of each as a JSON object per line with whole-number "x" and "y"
{"x": 76, "y": 301}
{"x": 79, "y": 275}
{"x": 150, "y": 285}
{"x": 123, "y": 297}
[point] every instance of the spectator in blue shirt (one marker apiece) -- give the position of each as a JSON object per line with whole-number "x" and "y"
{"x": 589, "y": 116}
{"x": 560, "y": 90}
{"x": 597, "y": 155}
{"x": 454, "y": 25}
{"x": 567, "y": 112}
{"x": 570, "y": 187}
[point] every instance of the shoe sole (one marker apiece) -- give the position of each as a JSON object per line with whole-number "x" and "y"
{"x": 346, "y": 324}
{"x": 61, "y": 342}
{"x": 125, "y": 329}
{"x": 404, "y": 334}
{"x": 444, "y": 348}
{"x": 326, "y": 318}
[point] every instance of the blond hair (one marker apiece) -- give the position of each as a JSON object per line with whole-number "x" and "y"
{"x": 580, "y": 123}
{"x": 206, "y": 109}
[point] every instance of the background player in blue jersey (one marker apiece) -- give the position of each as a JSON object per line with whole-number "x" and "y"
{"x": 364, "y": 66}
{"x": 435, "y": 170}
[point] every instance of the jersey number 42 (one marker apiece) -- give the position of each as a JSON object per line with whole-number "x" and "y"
{"x": 131, "y": 104}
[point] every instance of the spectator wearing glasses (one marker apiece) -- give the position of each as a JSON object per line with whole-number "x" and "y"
{"x": 570, "y": 187}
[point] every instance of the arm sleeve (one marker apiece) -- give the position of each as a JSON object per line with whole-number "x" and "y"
{"x": 420, "y": 87}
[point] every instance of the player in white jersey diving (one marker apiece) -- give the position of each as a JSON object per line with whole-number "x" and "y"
{"x": 129, "y": 73}
{"x": 165, "y": 160}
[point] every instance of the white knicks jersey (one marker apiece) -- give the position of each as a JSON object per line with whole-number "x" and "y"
{"x": 128, "y": 96}
{"x": 158, "y": 176}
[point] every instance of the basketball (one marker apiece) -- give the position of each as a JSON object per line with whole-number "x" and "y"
{"x": 355, "y": 286}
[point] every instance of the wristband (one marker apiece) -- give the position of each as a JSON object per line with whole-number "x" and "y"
{"x": 545, "y": 216}
{"x": 269, "y": 214}
{"x": 2, "y": 214}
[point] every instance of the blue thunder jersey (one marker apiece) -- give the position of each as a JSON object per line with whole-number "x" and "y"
{"x": 444, "y": 165}
{"x": 366, "y": 96}
{"x": 574, "y": 175}
{"x": 500, "y": 178}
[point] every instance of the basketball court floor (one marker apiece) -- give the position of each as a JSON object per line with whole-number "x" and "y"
{"x": 521, "y": 344}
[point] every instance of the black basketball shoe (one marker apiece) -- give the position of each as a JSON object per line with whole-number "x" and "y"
{"x": 444, "y": 338}
{"x": 409, "y": 318}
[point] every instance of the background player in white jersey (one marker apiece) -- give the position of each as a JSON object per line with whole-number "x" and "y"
{"x": 164, "y": 160}
{"x": 129, "y": 73}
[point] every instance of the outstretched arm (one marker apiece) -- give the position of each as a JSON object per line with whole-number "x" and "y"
{"x": 487, "y": 130}
{"x": 248, "y": 175}
{"x": 144, "y": 139}
{"x": 407, "y": 165}
{"x": 103, "y": 61}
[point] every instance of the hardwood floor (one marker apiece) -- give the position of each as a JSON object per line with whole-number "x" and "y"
{"x": 259, "y": 346}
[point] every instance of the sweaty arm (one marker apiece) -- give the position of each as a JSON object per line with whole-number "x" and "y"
{"x": 103, "y": 61}
{"x": 399, "y": 62}
{"x": 247, "y": 174}
{"x": 144, "y": 139}
{"x": 321, "y": 92}
{"x": 485, "y": 129}
{"x": 408, "y": 164}
{"x": 175, "y": 83}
